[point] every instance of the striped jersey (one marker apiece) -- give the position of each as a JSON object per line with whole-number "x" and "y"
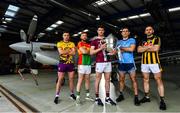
{"x": 151, "y": 57}
{"x": 84, "y": 59}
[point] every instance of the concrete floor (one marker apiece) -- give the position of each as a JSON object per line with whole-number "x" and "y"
{"x": 6, "y": 105}
{"x": 41, "y": 97}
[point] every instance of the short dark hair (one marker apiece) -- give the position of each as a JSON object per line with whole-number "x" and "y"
{"x": 100, "y": 26}
{"x": 65, "y": 32}
{"x": 125, "y": 28}
{"x": 149, "y": 26}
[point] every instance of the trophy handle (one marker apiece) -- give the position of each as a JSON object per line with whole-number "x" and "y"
{"x": 119, "y": 53}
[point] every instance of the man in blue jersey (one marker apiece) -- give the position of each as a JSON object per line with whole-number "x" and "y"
{"x": 126, "y": 64}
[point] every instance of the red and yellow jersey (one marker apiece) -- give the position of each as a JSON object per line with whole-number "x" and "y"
{"x": 84, "y": 59}
{"x": 66, "y": 59}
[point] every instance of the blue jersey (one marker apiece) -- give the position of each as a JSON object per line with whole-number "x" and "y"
{"x": 127, "y": 57}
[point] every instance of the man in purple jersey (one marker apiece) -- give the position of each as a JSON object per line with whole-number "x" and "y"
{"x": 103, "y": 65}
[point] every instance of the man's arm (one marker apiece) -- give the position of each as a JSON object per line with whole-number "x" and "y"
{"x": 84, "y": 50}
{"x": 72, "y": 51}
{"x": 94, "y": 51}
{"x": 129, "y": 49}
{"x": 142, "y": 49}
{"x": 153, "y": 48}
{"x": 62, "y": 52}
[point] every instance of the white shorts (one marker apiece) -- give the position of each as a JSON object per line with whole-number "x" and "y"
{"x": 154, "y": 68}
{"x": 103, "y": 67}
{"x": 34, "y": 71}
{"x": 84, "y": 69}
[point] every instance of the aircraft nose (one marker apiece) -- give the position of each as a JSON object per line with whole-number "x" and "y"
{"x": 13, "y": 46}
{"x": 20, "y": 47}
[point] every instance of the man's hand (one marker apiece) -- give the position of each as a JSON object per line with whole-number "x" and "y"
{"x": 66, "y": 52}
{"x": 113, "y": 52}
{"x": 103, "y": 46}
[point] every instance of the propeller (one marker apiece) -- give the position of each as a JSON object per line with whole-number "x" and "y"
{"x": 23, "y": 35}
{"x": 28, "y": 39}
{"x": 32, "y": 28}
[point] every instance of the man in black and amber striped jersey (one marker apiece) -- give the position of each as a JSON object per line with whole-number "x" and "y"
{"x": 151, "y": 63}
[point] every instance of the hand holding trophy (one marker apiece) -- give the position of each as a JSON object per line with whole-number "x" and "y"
{"x": 109, "y": 44}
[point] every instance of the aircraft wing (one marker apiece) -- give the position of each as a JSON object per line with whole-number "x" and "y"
{"x": 47, "y": 57}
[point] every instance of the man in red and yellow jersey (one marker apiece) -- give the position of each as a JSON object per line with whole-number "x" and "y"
{"x": 66, "y": 51}
{"x": 84, "y": 67}
{"x": 151, "y": 63}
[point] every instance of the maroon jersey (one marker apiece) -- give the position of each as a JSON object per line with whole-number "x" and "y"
{"x": 100, "y": 57}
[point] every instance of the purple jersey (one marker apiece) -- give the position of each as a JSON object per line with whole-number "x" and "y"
{"x": 99, "y": 56}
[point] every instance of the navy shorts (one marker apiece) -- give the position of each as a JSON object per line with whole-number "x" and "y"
{"x": 65, "y": 67}
{"x": 126, "y": 67}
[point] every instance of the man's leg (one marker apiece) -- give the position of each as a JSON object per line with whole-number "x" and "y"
{"x": 58, "y": 86}
{"x": 87, "y": 85}
{"x": 160, "y": 85}
{"x": 135, "y": 87}
{"x": 157, "y": 77}
{"x": 97, "y": 81}
{"x": 121, "y": 86}
{"x": 146, "y": 87}
{"x": 107, "y": 83}
{"x": 134, "y": 82}
{"x": 71, "y": 84}
{"x": 108, "y": 100}
{"x": 78, "y": 88}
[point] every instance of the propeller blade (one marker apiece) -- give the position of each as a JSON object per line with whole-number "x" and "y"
{"x": 32, "y": 27}
{"x": 23, "y": 35}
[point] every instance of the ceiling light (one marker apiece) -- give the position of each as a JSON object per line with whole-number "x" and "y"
{"x": 54, "y": 25}
{"x": 41, "y": 33}
{"x": 13, "y": 8}
{"x": 102, "y": 2}
{"x": 59, "y": 22}
{"x": 79, "y": 33}
{"x": 174, "y": 9}
{"x": 133, "y": 17}
{"x": 10, "y": 13}
{"x": 123, "y": 19}
{"x": 145, "y": 15}
{"x": 4, "y": 22}
{"x": 8, "y": 19}
{"x": 86, "y": 30}
{"x": 98, "y": 17}
{"x": 75, "y": 34}
{"x": 49, "y": 29}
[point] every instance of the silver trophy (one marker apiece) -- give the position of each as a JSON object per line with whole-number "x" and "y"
{"x": 110, "y": 40}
